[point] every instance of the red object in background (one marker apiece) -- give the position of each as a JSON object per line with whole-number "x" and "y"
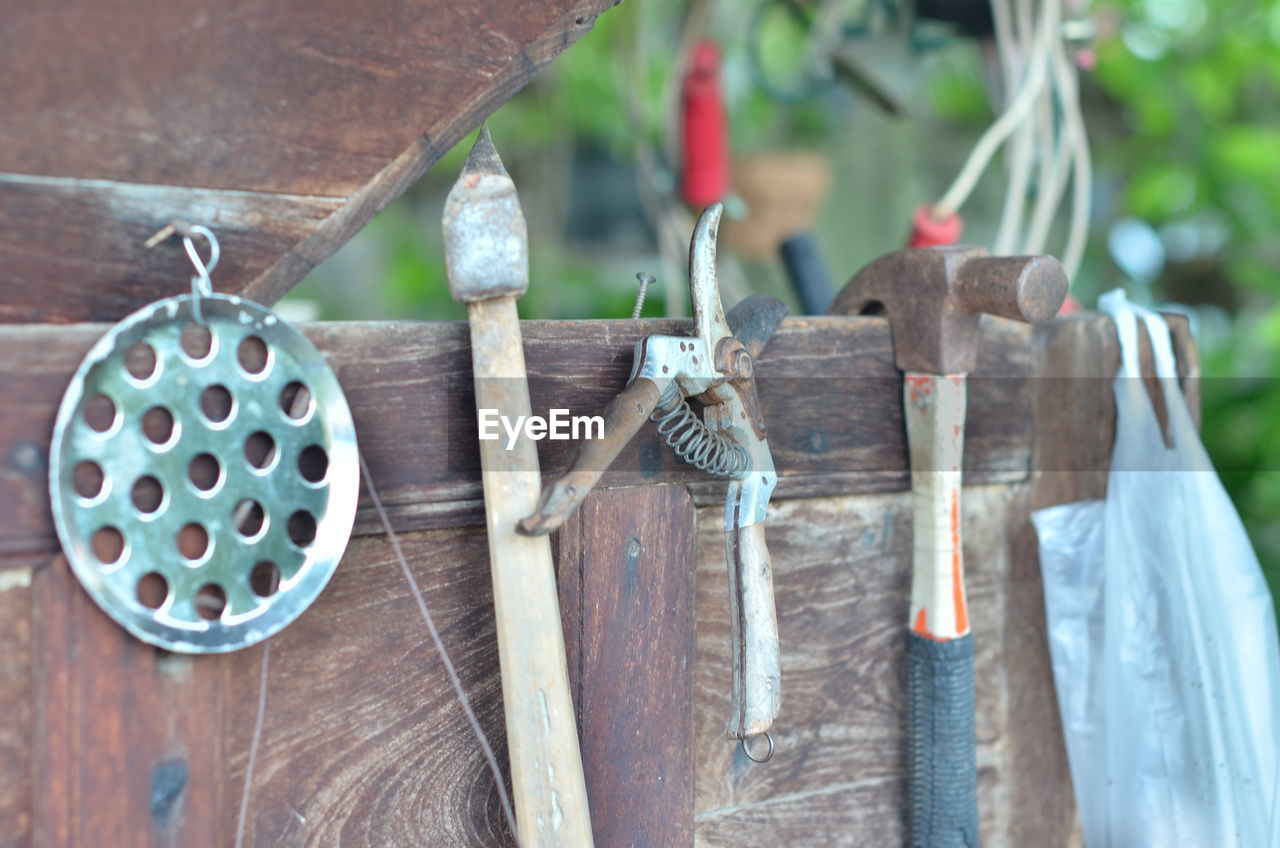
{"x": 928, "y": 231}
{"x": 706, "y": 142}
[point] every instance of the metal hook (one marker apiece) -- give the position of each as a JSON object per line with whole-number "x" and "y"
{"x": 767, "y": 757}
{"x": 215, "y": 251}
{"x": 201, "y": 285}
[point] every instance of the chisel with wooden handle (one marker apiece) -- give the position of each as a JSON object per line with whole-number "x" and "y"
{"x": 486, "y": 247}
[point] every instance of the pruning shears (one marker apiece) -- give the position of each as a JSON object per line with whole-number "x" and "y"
{"x": 716, "y": 367}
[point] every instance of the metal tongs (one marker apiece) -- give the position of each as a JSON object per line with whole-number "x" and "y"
{"x": 716, "y": 368}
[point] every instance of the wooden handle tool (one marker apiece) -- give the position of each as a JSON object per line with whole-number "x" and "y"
{"x": 486, "y": 247}
{"x": 934, "y": 298}
{"x": 715, "y": 366}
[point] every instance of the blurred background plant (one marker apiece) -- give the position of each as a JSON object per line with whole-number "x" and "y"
{"x": 866, "y": 108}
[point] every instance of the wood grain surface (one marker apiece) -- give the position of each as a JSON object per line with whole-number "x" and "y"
{"x": 106, "y": 741}
{"x": 363, "y": 743}
{"x": 549, "y": 792}
{"x": 626, "y": 561}
{"x": 842, "y": 576}
{"x": 830, "y": 393}
{"x": 284, "y": 125}
{"x": 17, "y": 706}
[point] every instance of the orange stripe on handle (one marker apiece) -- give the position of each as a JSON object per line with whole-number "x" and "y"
{"x": 934, "y": 407}
{"x": 957, "y": 568}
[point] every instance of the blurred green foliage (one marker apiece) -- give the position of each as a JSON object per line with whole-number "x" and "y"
{"x": 1182, "y": 114}
{"x": 1186, "y": 99}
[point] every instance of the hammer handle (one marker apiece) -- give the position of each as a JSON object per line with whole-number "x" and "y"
{"x": 542, "y": 737}
{"x": 942, "y": 771}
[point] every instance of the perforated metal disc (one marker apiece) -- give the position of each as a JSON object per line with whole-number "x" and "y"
{"x": 205, "y": 493}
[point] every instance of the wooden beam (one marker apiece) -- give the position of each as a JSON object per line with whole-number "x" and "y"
{"x": 284, "y": 125}
{"x": 362, "y": 738}
{"x": 114, "y": 742}
{"x": 626, "y": 562}
{"x": 830, "y": 392}
{"x": 17, "y": 704}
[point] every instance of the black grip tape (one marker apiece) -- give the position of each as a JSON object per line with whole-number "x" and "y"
{"x": 942, "y": 786}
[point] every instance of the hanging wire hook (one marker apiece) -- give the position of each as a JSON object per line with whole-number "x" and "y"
{"x": 768, "y": 754}
{"x": 203, "y": 270}
{"x": 201, "y": 285}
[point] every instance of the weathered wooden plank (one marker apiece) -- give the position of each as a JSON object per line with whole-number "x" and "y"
{"x": 861, "y": 811}
{"x": 830, "y": 393}
{"x": 17, "y": 720}
{"x": 627, "y": 596}
{"x": 128, "y": 748}
{"x": 842, "y": 574}
{"x": 363, "y": 742}
{"x": 108, "y": 272}
{"x": 291, "y": 122}
{"x": 1075, "y": 420}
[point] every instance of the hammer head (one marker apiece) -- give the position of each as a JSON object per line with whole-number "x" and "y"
{"x": 934, "y": 297}
{"x": 486, "y": 242}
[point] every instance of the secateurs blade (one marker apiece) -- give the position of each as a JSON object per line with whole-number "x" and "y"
{"x": 715, "y": 367}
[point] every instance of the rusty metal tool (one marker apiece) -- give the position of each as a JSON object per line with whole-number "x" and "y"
{"x": 934, "y": 298}
{"x": 486, "y": 249}
{"x": 714, "y": 366}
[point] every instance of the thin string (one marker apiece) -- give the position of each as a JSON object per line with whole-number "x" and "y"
{"x": 461, "y": 694}
{"x": 1017, "y": 110}
{"x": 253, "y": 746}
{"x": 444, "y": 654}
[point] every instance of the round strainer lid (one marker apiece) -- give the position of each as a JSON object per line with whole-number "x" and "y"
{"x": 203, "y": 473}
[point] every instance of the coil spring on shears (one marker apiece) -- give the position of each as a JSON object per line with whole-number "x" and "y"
{"x": 695, "y": 442}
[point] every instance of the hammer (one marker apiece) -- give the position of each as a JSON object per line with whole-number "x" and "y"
{"x": 934, "y": 298}
{"x": 487, "y": 253}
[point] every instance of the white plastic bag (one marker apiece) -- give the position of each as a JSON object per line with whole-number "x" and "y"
{"x": 1162, "y": 634}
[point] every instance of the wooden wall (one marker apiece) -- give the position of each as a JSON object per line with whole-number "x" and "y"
{"x": 283, "y": 125}
{"x": 106, "y": 741}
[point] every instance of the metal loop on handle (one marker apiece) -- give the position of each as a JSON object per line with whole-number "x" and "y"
{"x": 768, "y": 754}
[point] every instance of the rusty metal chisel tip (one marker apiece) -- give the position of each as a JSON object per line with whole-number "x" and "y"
{"x": 486, "y": 242}
{"x": 483, "y": 158}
